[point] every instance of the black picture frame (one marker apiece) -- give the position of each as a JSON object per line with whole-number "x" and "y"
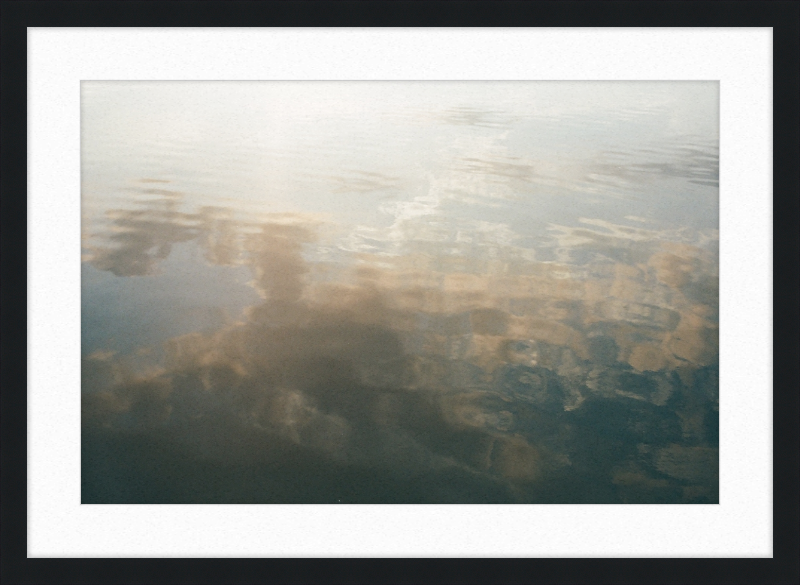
{"x": 782, "y": 16}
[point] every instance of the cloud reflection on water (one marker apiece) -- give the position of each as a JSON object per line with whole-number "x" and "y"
{"x": 414, "y": 377}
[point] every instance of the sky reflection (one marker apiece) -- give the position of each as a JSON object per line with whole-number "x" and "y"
{"x": 471, "y": 320}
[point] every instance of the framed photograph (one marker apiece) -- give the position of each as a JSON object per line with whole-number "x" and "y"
{"x": 312, "y": 283}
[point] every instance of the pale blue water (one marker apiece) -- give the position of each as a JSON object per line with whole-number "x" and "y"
{"x": 400, "y": 292}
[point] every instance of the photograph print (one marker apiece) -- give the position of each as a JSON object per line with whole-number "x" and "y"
{"x": 399, "y": 292}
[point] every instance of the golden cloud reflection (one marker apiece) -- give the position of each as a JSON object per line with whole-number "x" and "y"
{"x": 413, "y": 378}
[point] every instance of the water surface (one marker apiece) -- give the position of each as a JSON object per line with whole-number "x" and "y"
{"x": 401, "y": 292}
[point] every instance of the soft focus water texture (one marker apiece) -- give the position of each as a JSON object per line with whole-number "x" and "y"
{"x": 400, "y": 292}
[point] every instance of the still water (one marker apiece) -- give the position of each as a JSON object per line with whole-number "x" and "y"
{"x": 401, "y": 292}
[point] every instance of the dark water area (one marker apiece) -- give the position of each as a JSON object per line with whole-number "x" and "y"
{"x": 400, "y": 292}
